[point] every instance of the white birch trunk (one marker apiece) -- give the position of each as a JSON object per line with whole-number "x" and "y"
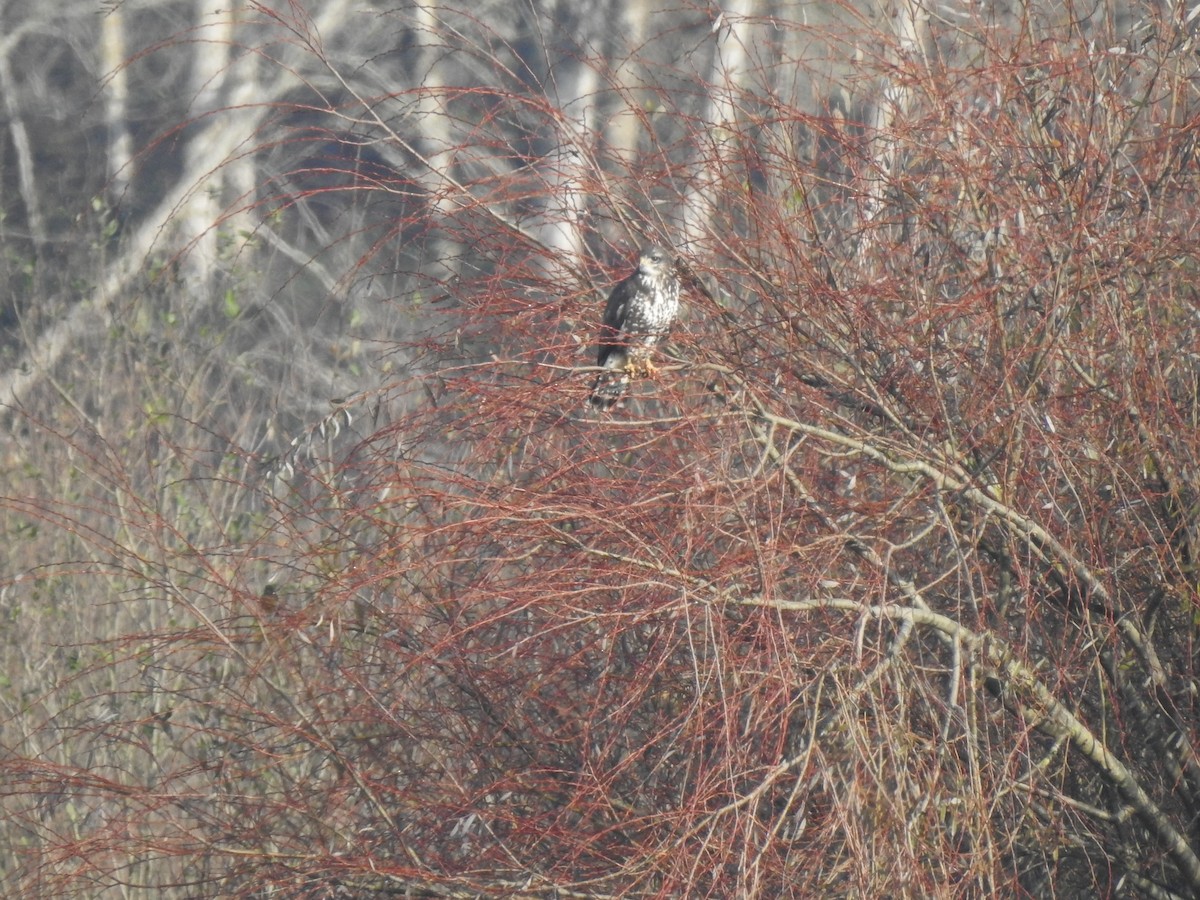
{"x": 19, "y": 135}
{"x": 116, "y": 100}
{"x": 910, "y": 25}
{"x": 565, "y": 170}
{"x": 731, "y": 33}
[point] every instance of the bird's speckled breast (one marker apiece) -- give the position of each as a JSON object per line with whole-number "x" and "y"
{"x": 650, "y": 321}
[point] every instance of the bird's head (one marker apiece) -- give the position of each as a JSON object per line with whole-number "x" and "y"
{"x": 654, "y": 262}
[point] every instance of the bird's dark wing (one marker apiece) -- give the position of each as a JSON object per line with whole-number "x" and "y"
{"x": 618, "y": 305}
{"x": 613, "y": 324}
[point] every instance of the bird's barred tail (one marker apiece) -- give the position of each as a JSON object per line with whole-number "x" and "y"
{"x": 608, "y": 389}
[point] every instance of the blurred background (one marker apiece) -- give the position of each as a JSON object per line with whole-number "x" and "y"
{"x": 319, "y": 578}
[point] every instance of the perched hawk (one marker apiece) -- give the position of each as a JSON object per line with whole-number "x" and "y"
{"x": 639, "y": 314}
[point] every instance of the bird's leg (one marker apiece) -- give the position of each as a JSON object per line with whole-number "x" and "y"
{"x": 641, "y": 368}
